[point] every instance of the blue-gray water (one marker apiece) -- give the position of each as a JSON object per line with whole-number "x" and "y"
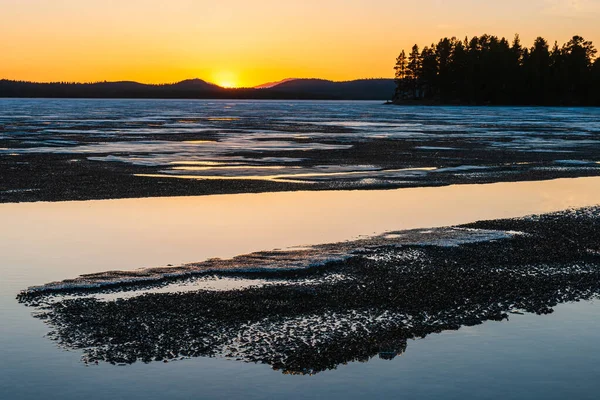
{"x": 550, "y": 357}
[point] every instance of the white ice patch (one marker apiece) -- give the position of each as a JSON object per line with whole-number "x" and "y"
{"x": 285, "y": 260}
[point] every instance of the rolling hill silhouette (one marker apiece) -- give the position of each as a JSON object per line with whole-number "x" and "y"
{"x": 301, "y": 89}
{"x": 362, "y": 89}
{"x": 270, "y": 85}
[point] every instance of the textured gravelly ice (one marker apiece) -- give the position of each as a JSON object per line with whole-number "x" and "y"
{"x": 388, "y": 290}
{"x": 259, "y": 134}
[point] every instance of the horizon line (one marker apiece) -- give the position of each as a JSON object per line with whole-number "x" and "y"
{"x": 274, "y": 83}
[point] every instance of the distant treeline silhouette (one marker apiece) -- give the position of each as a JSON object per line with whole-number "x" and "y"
{"x": 490, "y": 70}
{"x": 301, "y": 89}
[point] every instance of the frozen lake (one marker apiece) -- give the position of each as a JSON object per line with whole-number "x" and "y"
{"x": 280, "y": 175}
{"x": 139, "y": 148}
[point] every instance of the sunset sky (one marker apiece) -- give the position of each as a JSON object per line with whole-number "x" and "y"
{"x": 245, "y": 43}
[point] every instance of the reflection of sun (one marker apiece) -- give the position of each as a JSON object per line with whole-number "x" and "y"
{"x": 225, "y": 79}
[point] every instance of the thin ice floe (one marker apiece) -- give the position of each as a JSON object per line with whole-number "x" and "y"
{"x": 278, "y": 260}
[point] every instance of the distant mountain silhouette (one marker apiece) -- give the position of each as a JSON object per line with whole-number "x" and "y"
{"x": 302, "y": 89}
{"x": 362, "y": 89}
{"x": 196, "y": 84}
{"x": 270, "y": 85}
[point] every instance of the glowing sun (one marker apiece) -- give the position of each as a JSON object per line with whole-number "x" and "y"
{"x": 225, "y": 79}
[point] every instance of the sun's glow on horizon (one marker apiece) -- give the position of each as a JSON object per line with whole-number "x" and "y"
{"x": 236, "y": 43}
{"x": 227, "y": 84}
{"x": 226, "y": 79}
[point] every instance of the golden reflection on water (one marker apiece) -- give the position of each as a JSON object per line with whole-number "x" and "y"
{"x": 287, "y": 178}
{"x": 234, "y": 167}
{"x": 49, "y": 241}
{"x": 199, "y": 163}
{"x": 272, "y": 178}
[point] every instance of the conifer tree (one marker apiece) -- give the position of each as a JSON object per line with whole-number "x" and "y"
{"x": 400, "y": 76}
{"x": 490, "y": 70}
{"x": 413, "y": 71}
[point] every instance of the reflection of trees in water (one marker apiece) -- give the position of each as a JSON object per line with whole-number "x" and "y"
{"x": 385, "y": 299}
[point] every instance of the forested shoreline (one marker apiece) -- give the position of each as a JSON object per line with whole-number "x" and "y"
{"x": 294, "y": 89}
{"x": 488, "y": 70}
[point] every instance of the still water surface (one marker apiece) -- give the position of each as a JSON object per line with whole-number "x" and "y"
{"x": 49, "y": 241}
{"x": 553, "y": 356}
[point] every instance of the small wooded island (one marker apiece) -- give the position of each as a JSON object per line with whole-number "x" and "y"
{"x": 487, "y": 70}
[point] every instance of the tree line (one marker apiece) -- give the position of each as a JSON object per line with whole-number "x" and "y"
{"x": 299, "y": 89}
{"x": 490, "y": 70}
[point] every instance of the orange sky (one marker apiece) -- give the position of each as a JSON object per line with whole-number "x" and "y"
{"x": 245, "y": 43}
